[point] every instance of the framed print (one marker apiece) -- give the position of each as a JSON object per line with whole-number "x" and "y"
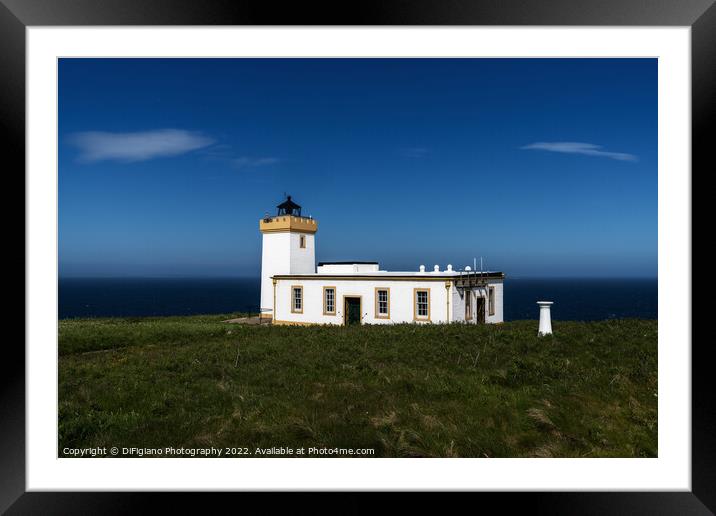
{"x": 416, "y": 248}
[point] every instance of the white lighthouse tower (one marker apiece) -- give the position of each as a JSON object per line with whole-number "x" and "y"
{"x": 289, "y": 247}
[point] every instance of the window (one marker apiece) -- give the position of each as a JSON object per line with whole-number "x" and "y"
{"x": 382, "y": 303}
{"x": 422, "y": 304}
{"x": 329, "y": 300}
{"x": 297, "y": 300}
{"x": 302, "y": 241}
{"x": 468, "y": 305}
{"x": 491, "y": 300}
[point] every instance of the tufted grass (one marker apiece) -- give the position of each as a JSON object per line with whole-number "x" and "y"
{"x": 404, "y": 390}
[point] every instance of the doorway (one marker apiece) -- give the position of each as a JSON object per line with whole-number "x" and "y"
{"x": 480, "y": 310}
{"x": 351, "y": 310}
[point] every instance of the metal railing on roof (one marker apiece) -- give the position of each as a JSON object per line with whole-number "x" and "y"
{"x": 471, "y": 279}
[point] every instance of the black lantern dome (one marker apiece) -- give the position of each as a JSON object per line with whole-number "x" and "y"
{"x": 288, "y": 207}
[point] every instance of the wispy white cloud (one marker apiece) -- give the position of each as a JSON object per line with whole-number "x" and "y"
{"x": 414, "y": 152}
{"x": 588, "y": 149}
{"x": 138, "y": 146}
{"x": 246, "y": 162}
{"x": 220, "y": 151}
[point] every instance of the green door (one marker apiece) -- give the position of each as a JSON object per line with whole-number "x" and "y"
{"x": 352, "y": 310}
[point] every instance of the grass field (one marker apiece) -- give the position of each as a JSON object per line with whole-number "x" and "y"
{"x": 405, "y": 391}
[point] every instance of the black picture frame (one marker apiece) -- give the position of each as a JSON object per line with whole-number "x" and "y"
{"x": 17, "y": 15}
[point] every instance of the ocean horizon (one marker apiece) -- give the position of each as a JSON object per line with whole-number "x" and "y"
{"x": 576, "y": 299}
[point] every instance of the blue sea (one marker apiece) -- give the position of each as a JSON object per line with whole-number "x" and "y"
{"x": 574, "y": 299}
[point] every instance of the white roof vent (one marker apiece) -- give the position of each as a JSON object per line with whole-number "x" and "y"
{"x": 468, "y": 269}
{"x": 422, "y": 268}
{"x": 436, "y": 268}
{"x": 449, "y": 267}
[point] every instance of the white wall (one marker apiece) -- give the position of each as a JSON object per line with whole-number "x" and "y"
{"x": 458, "y": 303}
{"x": 401, "y": 300}
{"x": 303, "y": 260}
{"x": 281, "y": 254}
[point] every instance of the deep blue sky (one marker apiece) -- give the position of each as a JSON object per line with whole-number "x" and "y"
{"x": 166, "y": 165}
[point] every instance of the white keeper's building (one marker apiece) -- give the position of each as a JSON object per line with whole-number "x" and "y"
{"x": 296, "y": 291}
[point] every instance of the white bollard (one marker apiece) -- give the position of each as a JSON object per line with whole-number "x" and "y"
{"x": 545, "y": 318}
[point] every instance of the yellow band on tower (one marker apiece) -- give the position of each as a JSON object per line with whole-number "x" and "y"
{"x": 284, "y": 223}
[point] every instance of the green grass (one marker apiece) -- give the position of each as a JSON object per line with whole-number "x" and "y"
{"x": 406, "y": 391}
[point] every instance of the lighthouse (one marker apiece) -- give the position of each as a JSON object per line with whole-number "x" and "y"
{"x": 288, "y": 247}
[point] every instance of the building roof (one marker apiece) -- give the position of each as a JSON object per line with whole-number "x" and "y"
{"x": 427, "y": 275}
{"x": 347, "y": 263}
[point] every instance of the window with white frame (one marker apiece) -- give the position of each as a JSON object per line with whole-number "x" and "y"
{"x": 382, "y": 303}
{"x": 297, "y": 300}
{"x": 491, "y": 300}
{"x": 468, "y": 305}
{"x": 329, "y": 300}
{"x": 302, "y": 241}
{"x": 422, "y": 304}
